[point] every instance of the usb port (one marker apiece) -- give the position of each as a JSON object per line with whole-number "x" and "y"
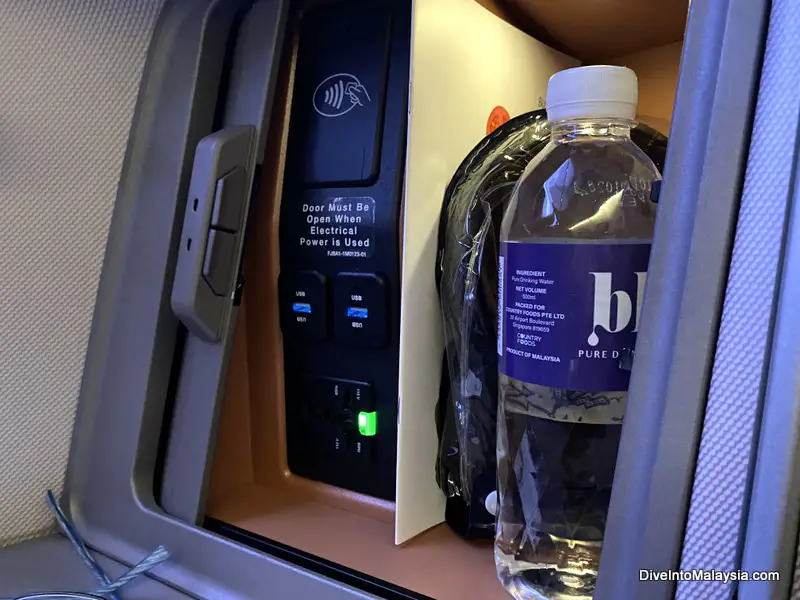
{"x": 355, "y": 312}
{"x": 301, "y": 307}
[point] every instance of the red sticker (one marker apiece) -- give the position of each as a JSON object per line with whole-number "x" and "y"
{"x": 497, "y": 117}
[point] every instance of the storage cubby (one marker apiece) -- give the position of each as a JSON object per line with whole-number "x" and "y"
{"x": 251, "y": 486}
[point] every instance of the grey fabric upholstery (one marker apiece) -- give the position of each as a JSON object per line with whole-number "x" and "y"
{"x": 69, "y": 76}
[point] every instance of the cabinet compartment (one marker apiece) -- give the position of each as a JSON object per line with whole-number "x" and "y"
{"x": 147, "y": 427}
{"x": 251, "y": 486}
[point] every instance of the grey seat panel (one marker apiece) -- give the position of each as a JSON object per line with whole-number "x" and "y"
{"x": 709, "y": 140}
{"x": 721, "y": 491}
{"x": 771, "y": 535}
{"x": 70, "y": 73}
{"x": 770, "y": 540}
{"x": 51, "y": 564}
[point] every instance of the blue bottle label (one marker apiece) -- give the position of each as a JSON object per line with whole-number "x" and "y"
{"x": 569, "y": 313}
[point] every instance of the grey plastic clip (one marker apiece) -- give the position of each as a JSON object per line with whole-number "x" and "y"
{"x": 213, "y": 230}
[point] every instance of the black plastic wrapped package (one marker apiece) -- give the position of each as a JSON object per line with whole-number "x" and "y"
{"x": 466, "y": 277}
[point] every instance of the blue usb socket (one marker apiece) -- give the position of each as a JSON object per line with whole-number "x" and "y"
{"x": 355, "y": 312}
{"x": 301, "y": 307}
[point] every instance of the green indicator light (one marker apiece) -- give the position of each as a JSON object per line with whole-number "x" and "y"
{"x": 367, "y": 423}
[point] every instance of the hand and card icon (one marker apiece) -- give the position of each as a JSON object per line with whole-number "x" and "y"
{"x": 338, "y": 94}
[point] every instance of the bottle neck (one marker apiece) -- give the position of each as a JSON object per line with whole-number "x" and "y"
{"x": 598, "y": 127}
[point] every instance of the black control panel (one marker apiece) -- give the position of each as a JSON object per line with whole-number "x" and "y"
{"x": 340, "y": 244}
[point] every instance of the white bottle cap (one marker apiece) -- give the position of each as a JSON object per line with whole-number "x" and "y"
{"x": 596, "y": 91}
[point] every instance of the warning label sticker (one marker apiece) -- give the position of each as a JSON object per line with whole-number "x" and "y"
{"x": 340, "y": 227}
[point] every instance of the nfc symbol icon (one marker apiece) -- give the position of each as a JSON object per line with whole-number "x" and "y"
{"x": 338, "y": 94}
{"x": 334, "y": 95}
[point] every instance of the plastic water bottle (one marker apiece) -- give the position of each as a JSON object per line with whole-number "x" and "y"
{"x": 575, "y": 248}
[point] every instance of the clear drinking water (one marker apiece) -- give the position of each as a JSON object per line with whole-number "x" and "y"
{"x": 575, "y": 246}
